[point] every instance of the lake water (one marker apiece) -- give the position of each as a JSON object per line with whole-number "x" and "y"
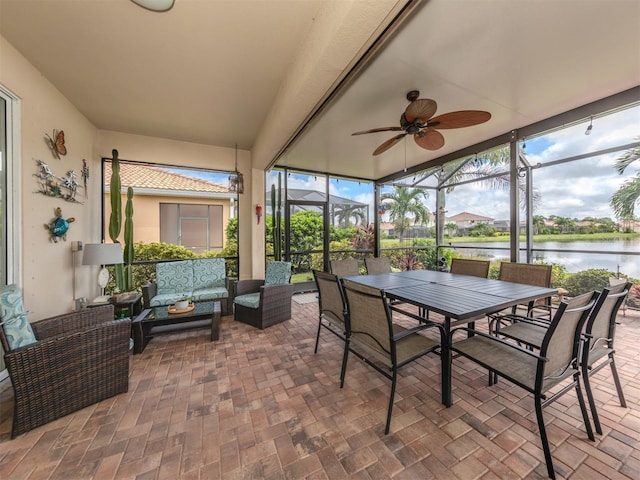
{"x": 624, "y": 254}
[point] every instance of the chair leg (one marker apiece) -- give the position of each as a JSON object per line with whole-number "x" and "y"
{"x": 543, "y": 437}
{"x": 592, "y": 403}
{"x": 616, "y": 379}
{"x": 583, "y": 408}
{"x": 391, "y": 397}
{"x": 345, "y": 357}
{"x": 315, "y": 350}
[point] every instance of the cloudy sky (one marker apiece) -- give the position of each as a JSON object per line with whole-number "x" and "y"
{"x": 575, "y": 189}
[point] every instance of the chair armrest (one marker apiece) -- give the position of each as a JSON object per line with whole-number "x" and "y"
{"x": 53, "y": 327}
{"x": 62, "y": 353}
{"x": 149, "y": 291}
{"x": 422, "y": 326}
{"x": 496, "y": 339}
{"x": 243, "y": 287}
{"x": 276, "y": 291}
{"x": 520, "y": 318}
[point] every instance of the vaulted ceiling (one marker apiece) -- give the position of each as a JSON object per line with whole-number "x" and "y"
{"x": 250, "y": 72}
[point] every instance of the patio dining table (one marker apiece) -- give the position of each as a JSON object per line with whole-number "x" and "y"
{"x": 460, "y": 299}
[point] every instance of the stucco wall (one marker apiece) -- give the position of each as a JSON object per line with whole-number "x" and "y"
{"x": 46, "y": 268}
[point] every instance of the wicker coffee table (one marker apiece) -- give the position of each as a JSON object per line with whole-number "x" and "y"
{"x": 157, "y": 321}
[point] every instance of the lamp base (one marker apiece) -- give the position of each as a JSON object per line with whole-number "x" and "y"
{"x": 101, "y": 299}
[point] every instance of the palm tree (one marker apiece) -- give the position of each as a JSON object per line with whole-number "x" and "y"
{"x": 538, "y": 224}
{"x": 624, "y": 200}
{"x": 405, "y": 207}
{"x": 344, "y": 212}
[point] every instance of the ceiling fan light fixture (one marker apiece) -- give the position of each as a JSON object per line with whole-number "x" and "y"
{"x": 155, "y": 5}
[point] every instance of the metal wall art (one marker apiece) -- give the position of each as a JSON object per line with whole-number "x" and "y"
{"x": 58, "y": 226}
{"x": 60, "y": 187}
{"x": 56, "y": 143}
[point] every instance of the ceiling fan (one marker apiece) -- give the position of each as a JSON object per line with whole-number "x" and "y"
{"x": 418, "y": 120}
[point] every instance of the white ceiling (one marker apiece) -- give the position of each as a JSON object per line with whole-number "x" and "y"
{"x": 212, "y": 72}
{"x": 523, "y": 61}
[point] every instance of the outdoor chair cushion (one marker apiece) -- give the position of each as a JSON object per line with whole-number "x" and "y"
{"x": 200, "y": 279}
{"x": 250, "y": 300}
{"x": 175, "y": 279}
{"x": 277, "y": 273}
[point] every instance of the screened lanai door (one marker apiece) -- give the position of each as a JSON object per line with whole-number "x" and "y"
{"x": 306, "y": 240}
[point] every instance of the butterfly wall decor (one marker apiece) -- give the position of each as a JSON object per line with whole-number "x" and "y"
{"x": 57, "y": 144}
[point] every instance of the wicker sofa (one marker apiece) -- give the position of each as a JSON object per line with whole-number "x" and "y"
{"x": 201, "y": 279}
{"x": 76, "y": 360}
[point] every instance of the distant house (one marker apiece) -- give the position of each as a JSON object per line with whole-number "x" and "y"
{"x": 465, "y": 221}
{"x": 174, "y": 208}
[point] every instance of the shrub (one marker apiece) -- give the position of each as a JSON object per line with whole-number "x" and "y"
{"x": 586, "y": 281}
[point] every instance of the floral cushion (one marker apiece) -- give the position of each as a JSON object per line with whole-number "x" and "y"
{"x": 13, "y": 318}
{"x": 208, "y": 273}
{"x": 175, "y": 278}
{"x": 278, "y": 273}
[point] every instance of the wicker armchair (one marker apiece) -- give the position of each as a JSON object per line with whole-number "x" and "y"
{"x": 262, "y": 303}
{"x": 78, "y": 359}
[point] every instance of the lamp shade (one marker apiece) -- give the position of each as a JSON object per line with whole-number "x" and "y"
{"x": 155, "y": 5}
{"x": 102, "y": 254}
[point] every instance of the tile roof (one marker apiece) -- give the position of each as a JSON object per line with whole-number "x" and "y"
{"x": 146, "y": 176}
{"x": 466, "y": 216}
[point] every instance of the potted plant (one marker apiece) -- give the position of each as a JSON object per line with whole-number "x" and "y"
{"x": 123, "y": 272}
{"x": 183, "y": 303}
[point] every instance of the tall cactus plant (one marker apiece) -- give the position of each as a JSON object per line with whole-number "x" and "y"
{"x": 123, "y": 273}
{"x": 276, "y": 217}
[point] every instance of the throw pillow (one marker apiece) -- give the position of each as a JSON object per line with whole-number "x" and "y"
{"x": 18, "y": 332}
{"x": 13, "y": 317}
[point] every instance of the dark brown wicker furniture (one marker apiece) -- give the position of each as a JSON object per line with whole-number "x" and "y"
{"x": 275, "y": 303}
{"x": 80, "y": 358}
{"x": 157, "y": 321}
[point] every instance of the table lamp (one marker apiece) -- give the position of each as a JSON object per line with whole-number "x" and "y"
{"x": 102, "y": 254}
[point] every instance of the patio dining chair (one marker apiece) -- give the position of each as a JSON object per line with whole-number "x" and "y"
{"x": 538, "y": 275}
{"x": 375, "y": 265}
{"x": 377, "y": 341}
{"x": 538, "y": 372}
{"x": 467, "y": 266}
{"x": 598, "y": 341}
{"x": 345, "y": 268}
{"x": 332, "y": 308}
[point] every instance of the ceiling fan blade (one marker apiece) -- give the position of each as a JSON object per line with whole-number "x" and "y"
{"x": 388, "y": 144}
{"x": 381, "y": 129}
{"x": 431, "y": 140}
{"x": 422, "y": 109}
{"x": 462, "y": 118}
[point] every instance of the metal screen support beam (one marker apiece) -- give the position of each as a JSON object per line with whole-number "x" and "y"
{"x": 514, "y": 155}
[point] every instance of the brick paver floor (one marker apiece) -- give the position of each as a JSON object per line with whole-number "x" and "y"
{"x": 260, "y": 405}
